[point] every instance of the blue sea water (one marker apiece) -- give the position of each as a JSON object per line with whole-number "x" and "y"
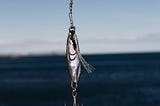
{"x": 119, "y": 80}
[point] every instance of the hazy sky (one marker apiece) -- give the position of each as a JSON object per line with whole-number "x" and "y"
{"x": 103, "y": 26}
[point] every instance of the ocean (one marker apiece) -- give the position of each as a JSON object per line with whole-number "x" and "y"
{"x": 131, "y": 79}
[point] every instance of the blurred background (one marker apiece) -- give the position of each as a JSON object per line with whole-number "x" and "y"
{"x": 119, "y": 38}
{"x": 38, "y": 26}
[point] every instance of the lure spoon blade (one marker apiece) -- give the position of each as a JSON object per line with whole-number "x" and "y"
{"x": 74, "y": 57}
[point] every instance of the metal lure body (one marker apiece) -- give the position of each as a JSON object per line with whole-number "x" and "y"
{"x": 74, "y": 57}
{"x": 72, "y": 50}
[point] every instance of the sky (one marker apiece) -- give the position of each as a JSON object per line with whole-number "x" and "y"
{"x": 102, "y": 26}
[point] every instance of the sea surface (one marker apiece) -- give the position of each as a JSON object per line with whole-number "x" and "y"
{"x": 119, "y": 80}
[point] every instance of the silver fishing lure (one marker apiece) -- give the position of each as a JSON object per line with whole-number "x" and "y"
{"x": 74, "y": 57}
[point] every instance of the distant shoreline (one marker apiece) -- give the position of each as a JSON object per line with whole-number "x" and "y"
{"x": 62, "y": 54}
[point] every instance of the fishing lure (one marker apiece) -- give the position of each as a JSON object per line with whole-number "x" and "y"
{"x": 74, "y": 57}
